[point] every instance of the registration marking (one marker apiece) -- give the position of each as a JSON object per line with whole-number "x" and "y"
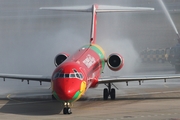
{"x": 89, "y": 61}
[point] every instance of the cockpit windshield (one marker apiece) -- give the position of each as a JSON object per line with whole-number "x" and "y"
{"x": 76, "y": 74}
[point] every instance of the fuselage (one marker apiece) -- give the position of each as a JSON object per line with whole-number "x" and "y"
{"x": 77, "y": 73}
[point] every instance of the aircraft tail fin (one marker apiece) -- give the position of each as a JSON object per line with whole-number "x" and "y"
{"x": 94, "y": 9}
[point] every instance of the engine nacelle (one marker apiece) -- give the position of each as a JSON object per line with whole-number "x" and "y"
{"x": 115, "y": 62}
{"x": 60, "y": 58}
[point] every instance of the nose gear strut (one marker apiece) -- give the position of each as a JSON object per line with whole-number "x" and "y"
{"x": 67, "y": 109}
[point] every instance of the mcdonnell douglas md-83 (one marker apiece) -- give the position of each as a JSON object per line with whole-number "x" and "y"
{"x": 76, "y": 73}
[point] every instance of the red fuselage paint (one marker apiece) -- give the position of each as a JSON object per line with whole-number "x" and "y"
{"x": 77, "y": 73}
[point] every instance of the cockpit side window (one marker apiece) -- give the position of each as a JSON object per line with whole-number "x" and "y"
{"x": 75, "y": 70}
{"x": 81, "y": 76}
{"x": 57, "y": 75}
{"x": 61, "y": 75}
{"x": 78, "y": 75}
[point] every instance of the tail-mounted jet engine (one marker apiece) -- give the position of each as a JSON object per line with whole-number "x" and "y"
{"x": 60, "y": 58}
{"x": 115, "y": 62}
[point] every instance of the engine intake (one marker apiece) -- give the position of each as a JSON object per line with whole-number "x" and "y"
{"x": 115, "y": 62}
{"x": 60, "y": 58}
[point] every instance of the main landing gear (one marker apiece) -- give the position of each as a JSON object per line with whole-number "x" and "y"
{"x": 109, "y": 92}
{"x": 67, "y": 109}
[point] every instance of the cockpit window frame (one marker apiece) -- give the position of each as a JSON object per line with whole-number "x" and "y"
{"x": 76, "y": 74}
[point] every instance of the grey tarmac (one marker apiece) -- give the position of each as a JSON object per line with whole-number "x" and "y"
{"x": 158, "y": 104}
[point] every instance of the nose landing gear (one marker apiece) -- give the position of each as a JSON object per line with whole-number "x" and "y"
{"x": 67, "y": 109}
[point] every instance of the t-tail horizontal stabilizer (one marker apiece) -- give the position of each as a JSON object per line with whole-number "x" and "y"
{"x": 100, "y": 8}
{"x": 97, "y": 9}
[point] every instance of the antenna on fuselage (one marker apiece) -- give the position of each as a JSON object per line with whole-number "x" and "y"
{"x": 94, "y": 9}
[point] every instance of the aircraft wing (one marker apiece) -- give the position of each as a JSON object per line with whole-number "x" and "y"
{"x": 23, "y": 77}
{"x": 137, "y": 78}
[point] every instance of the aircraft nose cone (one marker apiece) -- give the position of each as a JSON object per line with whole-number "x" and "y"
{"x": 66, "y": 88}
{"x": 66, "y": 93}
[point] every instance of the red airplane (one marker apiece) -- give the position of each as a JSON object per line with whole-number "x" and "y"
{"x": 76, "y": 73}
